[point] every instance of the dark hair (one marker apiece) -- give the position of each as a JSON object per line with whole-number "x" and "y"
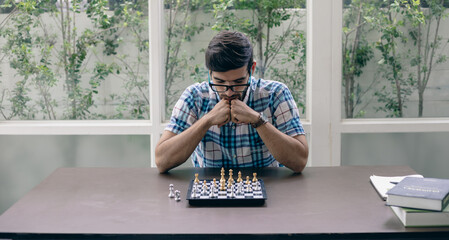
{"x": 229, "y": 50}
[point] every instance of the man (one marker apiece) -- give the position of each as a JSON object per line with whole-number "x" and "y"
{"x": 233, "y": 120}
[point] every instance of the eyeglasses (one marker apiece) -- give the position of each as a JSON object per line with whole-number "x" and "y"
{"x": 238, "y": 88}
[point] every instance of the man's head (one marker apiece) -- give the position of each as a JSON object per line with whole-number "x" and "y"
{"x": 229, "y": 58}
{"x": 228, "y": 51}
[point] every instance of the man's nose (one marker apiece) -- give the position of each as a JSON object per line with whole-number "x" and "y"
{"x": 229, "y": 92}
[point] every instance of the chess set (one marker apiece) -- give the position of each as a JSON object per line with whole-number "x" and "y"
{"x": 230, "y": 192}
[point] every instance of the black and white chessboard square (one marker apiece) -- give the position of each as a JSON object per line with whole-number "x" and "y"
{"x": 199, "y": 192}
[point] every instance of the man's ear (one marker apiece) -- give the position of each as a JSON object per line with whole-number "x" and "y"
{"x": 253, "y": 68}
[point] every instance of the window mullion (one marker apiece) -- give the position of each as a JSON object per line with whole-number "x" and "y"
{"x": 156, "y": 32}
{"x": 319, "y": 74}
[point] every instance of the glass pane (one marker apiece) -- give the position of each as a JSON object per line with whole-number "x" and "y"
{"x": 428, "y": 159}
{"x": 74, "y": 60}
{"x": 395, "y": 59}
{"x": 26, "y": 160}
{"x": 280, "y": 23}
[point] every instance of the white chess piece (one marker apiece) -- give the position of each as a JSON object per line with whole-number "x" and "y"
{"x": 258, "y": 188}
{"x": 240, "y": 188}
{"x": 198, "y": 188}
{"x": 194, "y": 190}
{"x": 249, "y": 189}
{"x": 177, "y": 195}
{"x": 212, "y": 191}
{"x": 232, "y": 194}
{"x": 204, "y": 191}
{"x": 171, "y": 194}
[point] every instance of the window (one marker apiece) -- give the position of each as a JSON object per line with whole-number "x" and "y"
{"x": 322, "y": 91}
{"x": 277, "y": 30}
{"x": 395, "y": 59}
{"x": 74, "y": 60}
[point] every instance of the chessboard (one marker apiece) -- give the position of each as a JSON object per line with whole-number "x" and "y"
{"x": 230, "y": 192}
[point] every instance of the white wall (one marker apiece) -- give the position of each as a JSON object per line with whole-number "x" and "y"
{"x": 426, "y": 153}
{"x": 26, "y": 160}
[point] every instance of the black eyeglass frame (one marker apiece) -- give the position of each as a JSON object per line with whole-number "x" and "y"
{"x": 212, "y": 85}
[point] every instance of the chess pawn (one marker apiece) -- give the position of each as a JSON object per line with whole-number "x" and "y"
{"x": 239, "y": 179}
{"x": 194, "y": 190}
{"x": 196, "y": 178}
{"x": 216, "y": 187}
{"x": 171, "y": 194}
{"x": 240, "y": 188}
{"x": 248, "y": 185}
{"x": 249, "y": 188}
{"x": 212, "y": 191}
{"x": 214, "y": 183}
{"x": 195, "y": 185}
{"x": 199, "y": 187}
{"x": 254, "y": 177}
{"x": 177, "y": 195}
{"x": 204, "y": 192}
{"x": 232, "y": 194}
{"x": 257, "y": 186}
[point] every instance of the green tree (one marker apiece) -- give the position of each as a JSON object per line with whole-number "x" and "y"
{"x": 389, "y": 21}
{"x": 30, "y": 64}
{"x": 426, "y": 44}
{"x": 42, "y": 58}
{"x": 357, "y": 52}
{"x": 180, "y": 30}
{"x": 280, "y": 56}
{"x": 134, "y": 102}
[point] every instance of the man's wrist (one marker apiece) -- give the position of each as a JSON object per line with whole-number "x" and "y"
{"x": 207, "y": 120}
{"x": 255, "y": 119}
{"x": 261, "y": 120}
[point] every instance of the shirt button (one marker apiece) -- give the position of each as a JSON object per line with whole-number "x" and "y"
{"x": 235, "y": 156}
{"x": 233, "y": 126}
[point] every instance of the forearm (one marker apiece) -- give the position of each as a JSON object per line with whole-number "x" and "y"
{"x": 291, "y": 152}
{"x": 172, "y": 151}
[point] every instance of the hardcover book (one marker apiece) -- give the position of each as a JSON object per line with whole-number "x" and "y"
{"x": 384, "y": 183}
{"x": 420, "y": 193}
{"x": 421, "y": 218}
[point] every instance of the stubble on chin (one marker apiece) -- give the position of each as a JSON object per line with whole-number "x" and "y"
{"x": 229, "y": 98}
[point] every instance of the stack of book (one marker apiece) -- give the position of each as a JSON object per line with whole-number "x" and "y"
{"x": 420, "y": 202}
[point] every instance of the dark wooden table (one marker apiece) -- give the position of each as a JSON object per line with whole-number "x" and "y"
{"x": 322, "y": 202}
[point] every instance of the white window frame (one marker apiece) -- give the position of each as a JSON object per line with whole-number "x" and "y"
{"x": 324, "y": 64}
{"x": 324, "y": 123}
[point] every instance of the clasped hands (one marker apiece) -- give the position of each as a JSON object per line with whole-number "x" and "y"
{"x": 232, "y": 110}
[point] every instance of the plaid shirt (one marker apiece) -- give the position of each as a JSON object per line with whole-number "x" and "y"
{"x": 236, "y": 145}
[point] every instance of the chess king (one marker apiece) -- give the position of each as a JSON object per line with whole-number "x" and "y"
{"x": 233, "y": 120}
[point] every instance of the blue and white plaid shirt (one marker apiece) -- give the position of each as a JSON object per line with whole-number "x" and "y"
{"x": 236, "y": 145}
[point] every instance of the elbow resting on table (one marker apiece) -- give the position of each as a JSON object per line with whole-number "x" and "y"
{"x": 301, "y": 161}
{"x": 161, "y": 161}
{"x": 302, "y": 164}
